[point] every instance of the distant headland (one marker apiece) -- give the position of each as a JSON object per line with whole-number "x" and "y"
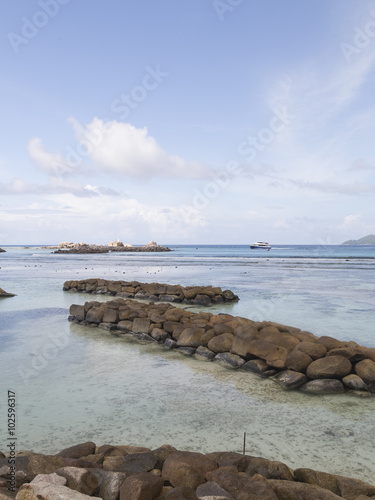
{"x": 366, "y": 240}
{"x": 113, "y": 246}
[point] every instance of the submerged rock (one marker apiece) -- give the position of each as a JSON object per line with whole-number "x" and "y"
{"x": 3, "y": 293}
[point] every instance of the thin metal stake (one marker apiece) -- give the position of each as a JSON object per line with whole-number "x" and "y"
{"x": 244, "y": 443}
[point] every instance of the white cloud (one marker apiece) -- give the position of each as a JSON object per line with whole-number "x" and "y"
{"x": 349, "y": 220}
{"x": 52, "y": 163}
{"x": 114, "y": 147}
{"x": 121, "y": 148}
{"x": 54, "y": 186}
{"x": 334, "y": 187}
{"x": 361, "y": 165}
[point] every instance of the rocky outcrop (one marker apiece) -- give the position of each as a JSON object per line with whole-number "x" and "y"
{"x": 193, "y": 295}
{"x": 3, "y": 293}
{"x": 266, "y": 348}
{"x": 2, "y": 250}
{"x": 171, "y": 474}
{"x": 113, "y": 246}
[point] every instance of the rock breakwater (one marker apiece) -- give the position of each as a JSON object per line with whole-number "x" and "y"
{"x": 84, "y": 248}
{"x": 194, "y": 295}
{"x": 293, "y": 358}
{"x": 123, "y": 472}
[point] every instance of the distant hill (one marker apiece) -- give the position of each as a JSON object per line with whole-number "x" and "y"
{"x": 366, "y": 240}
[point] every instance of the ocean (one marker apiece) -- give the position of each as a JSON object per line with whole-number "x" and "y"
{"x": 75, "y": 383}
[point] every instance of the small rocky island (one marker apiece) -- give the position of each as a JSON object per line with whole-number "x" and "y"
{"x": 2, "y": 250}
{"x": 192, "y": 295}
{"x": 113, "y": 246}
{"x": 293, "y": 358}
{"x": 113, "y": 472}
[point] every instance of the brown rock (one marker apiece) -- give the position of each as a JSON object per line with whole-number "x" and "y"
{"x": 125, "y": 326}
{"x": 96, "y": 458}
{"x": 212, "y": 490}
{"x": 331, "y": 343}
{"x": 290, "y": 379}
{"x": 289, "y": 490}
{"x": 208, "y": 335}
{"x": 241, "y": 487}
{"x": 110, "y": 316}
{"x": 243, "y": 339}
{"x": 266, "y": 468}
{"x": 277, "y": 357}
{"x": 323, "y": 386}
{"x": 181, "y": 493}
{"x": 79, "y": 479}
{"x": 95, "y": 315}
{"x": 184, "y": 468}
{"x": 366, "y": 370}
{"x": 78, "y": 450}
{"x": 322, "y": 479}
{"x": 303, "y": 336}
{"x": 191, "y": 337}
{"x": 124, "y": 450}
{"x": 257, "y": 366}
{"x": 272, "y": 334}
{"x": 298, "y": 361}
{"x": 329, "y": 367}
{"x": 228, "y": 360}
{"x": 139, "y": 462}
{"x": 312, "y": 349}
{"x": 113, "y": 463}
{"x": 204, "y": 354}
{"x": 350, "y": 488}
{"x": 202, "y": 300}
{"x": 225, "y": 458}
{"x": 143, "y": 486}
{"x": 49, "y": 478}
{"x": 174, "y": 328}
{"x": 159, "y": 334}
{"x": 369, "y": 352}
{"x": 109, "y": 484}
{"x": 220, "y": 328}
{"x": 43, "y": 464}
{"x": 221, "y": 343}
{"x": 77, "y": 311}
{"x": 141, "y": 325}
{"x": 354, "y": 354}
{"x": 354, "y": 382}
{"x": 48, "y": 491}
{"x": 162, "y": 453}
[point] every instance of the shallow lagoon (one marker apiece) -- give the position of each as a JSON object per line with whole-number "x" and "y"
{"x": 75, "y": 384}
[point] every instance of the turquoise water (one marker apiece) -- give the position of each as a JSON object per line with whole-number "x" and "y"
{"x": 75, "y": 383}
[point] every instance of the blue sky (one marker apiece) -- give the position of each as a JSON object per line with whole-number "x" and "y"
{"x": 208, "y": 121}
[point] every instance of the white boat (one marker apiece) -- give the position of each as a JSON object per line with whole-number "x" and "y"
{"x": 261, "y": 244}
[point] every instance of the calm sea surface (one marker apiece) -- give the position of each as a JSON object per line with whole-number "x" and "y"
{"x": 75, "y": 384}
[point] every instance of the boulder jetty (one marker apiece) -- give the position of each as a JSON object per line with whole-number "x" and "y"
{"x": 293, "y": 358}
{"x": 193, "y": 295}
{"x": 126, "y": 472}
{"x": 113, "y": 246}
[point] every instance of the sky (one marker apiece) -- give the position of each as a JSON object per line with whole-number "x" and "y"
{"x": 207, "y": 121}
